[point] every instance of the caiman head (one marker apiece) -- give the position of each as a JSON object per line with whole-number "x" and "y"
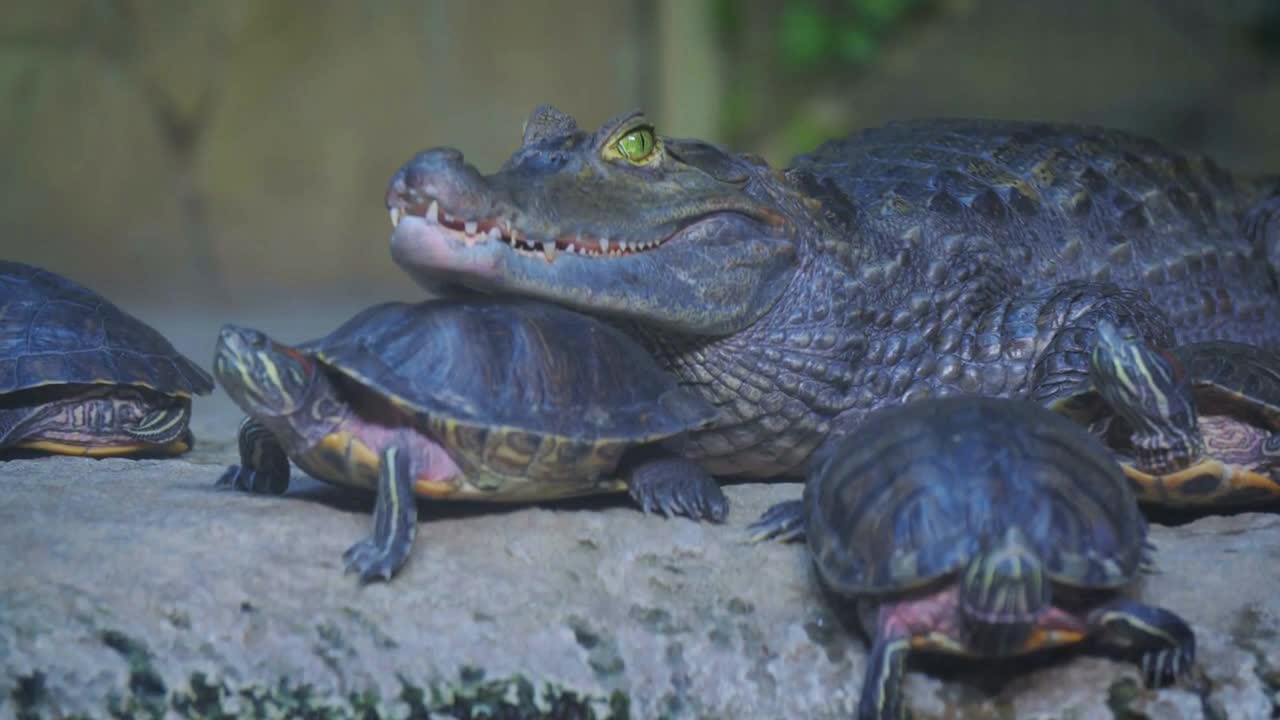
{"x": 672, "y": 233}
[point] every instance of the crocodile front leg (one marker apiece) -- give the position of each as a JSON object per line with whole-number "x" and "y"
{"x": 1068, "y": 318}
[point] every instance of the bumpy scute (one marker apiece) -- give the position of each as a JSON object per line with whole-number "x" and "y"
{"x": 918, "y": 499}
{"x": 56, "y": 331}
{"x": 524, "y": 392}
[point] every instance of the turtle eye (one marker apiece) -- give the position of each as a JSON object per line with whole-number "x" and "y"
{"x": 637, "y": 145}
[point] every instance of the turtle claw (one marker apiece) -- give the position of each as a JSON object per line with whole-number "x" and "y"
{"x": 370, "y": 561}
{"x": 783, "y": 521}
{"x": 246, "y": 479}
{"x": 673, "y": 486}
{"x": 1163, "y": 667}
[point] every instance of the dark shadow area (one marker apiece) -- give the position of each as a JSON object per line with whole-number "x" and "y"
{"x": 1174, "y": 517}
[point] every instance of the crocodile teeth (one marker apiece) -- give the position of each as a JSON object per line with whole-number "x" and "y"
{"x": 396, "y": 214}
{"x": 549, "y": 251}
{"x": 495, "y": 234}
{"x": 623, "y": 245}
{"x": 433, "y": 212}
{"x": 514, "y": 237}
{"x": 604, "y": 244}
{"x": 470, "y": 227}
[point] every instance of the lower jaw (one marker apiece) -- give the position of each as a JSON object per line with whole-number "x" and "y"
{"x": 431, "y": 256}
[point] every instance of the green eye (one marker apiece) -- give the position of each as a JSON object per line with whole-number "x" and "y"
{"x": 636, "y": 145}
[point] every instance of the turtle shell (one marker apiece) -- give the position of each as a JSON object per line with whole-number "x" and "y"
{"x": 56, "y": 331}
{"x": 1232, "y": 378}
{"x": 515, "y": 365}
{"x": 922, "y": 487}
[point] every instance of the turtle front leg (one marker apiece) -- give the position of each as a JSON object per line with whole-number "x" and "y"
{"x": 677, "y": 486}
{"x": 881, "y": 697}
{"x": 395, "y": 521}
{"x": 264, "y": 466}
{"x": 1164, "y": 642}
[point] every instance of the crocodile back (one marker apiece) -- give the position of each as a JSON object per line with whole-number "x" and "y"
{"x": 1051, "y": 202}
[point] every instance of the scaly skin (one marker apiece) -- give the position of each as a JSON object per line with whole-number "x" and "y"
{"x": 922, "y": 258}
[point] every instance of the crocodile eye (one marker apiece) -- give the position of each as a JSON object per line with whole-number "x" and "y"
{"x": 636, "y": 146}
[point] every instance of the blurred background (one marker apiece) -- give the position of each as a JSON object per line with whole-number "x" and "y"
{"x": 169, "y": 152}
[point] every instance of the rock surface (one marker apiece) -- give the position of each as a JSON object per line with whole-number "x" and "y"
{"x": 137, "y": 587}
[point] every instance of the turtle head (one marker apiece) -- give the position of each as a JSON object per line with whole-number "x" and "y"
{"x": 263, "y": 377}
{"x": 1003, "y": 592}
{"x": 1146, "y": 386}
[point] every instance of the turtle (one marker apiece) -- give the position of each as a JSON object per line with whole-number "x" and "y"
{"x": 463, "y": 397}
{"x": 80, "y": 376}
{"x": 1197, "y": 425}
{"x": 978, "y": 526}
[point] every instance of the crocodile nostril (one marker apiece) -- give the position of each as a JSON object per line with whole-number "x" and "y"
{"x": 412, "y": 177}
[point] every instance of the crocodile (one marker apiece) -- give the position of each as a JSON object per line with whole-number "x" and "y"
{"x": 922, "y": 258}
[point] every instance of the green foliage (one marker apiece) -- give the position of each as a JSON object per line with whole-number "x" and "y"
{"x": 811, "y": 33}
{"x": 784, "y": 50}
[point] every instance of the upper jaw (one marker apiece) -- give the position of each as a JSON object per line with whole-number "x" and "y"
{"x": 497, "y": 226}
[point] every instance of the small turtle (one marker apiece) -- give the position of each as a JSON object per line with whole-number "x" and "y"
{"x": 480, "y": 399}
{"x": 1198, "y": 425}
{"x": 982, "y": 527}
{"x": 79, "y": 376}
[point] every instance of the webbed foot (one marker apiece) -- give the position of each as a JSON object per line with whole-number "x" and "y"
{"x": 395, "y": 522}
{"x": 674, "y": 486}
{"x": 260, "y": 482}
{"x": 783, "y": 521}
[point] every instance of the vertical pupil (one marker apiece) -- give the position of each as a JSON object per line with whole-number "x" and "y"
{"x": 635, "y": 144}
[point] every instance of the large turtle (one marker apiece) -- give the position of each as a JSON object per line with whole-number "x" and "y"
{"x": 983, "y": 527}
{"x": 79, "y": 376}
{"x": 477, "y": 399}
{"x": 1198, "y": 425}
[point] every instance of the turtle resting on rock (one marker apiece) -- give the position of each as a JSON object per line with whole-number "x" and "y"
{"x": 79, "y": 376}
{"x": 981, "y": 527}
{"x": 479, "y": 399}
{"x": 1196, "y": 426}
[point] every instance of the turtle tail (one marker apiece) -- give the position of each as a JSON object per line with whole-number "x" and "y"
{"x": 1003, "y": 592}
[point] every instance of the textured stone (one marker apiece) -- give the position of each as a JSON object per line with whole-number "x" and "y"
{"x": 136, "y": 584}
{"x": 121, "y": 577}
